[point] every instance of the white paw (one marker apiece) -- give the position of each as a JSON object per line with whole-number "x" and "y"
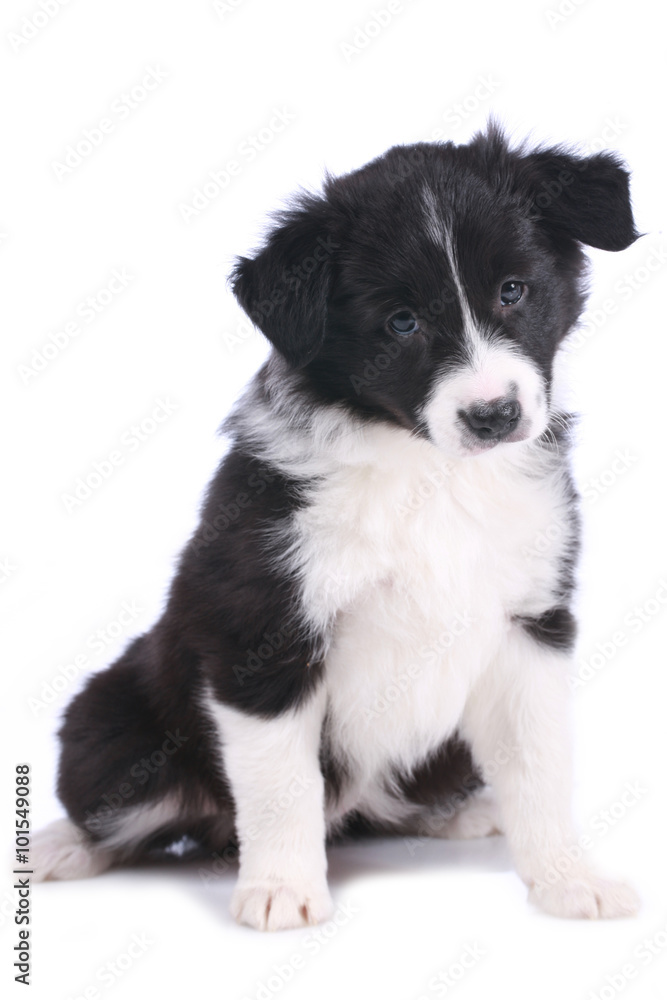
{"x": 479, "y": 816}
{"x": 587, "y": 895}
{"x": 279, "y": 906}
{"x": 62, "y": 851}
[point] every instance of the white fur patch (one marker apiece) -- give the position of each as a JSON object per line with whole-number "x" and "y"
{"x": 479, "y": 816}
{"x": 415, "y": 569}
{"x": 135, "y": 823}
{"x": 62, "y": 851}
{"x": 273, "y": 768}
{"x": 434, "y": 224}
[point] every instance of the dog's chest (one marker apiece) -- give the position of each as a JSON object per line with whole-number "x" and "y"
{"x": 415, "y": 569}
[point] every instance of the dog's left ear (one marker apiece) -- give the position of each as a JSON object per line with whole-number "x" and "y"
{"x": 285, "y": 288}
{"x": 586, "y": 198}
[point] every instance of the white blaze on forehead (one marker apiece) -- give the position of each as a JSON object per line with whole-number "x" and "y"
{"x": 440, "y": 231}
{"x": 434, "y": 222}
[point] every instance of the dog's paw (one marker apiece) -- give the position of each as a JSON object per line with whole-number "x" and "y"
{"x": 479, "y": 816}
{"x": 279, "y": 906}
{"x": 62, "y": 851}
{"x": 587, "y": 895}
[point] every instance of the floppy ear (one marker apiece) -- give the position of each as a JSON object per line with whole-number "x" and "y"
{"x": 584, "y": 197}
{"x": 285, "y": 288}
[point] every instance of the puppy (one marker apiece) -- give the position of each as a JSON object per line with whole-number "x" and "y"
{"x": 364, "y": 631}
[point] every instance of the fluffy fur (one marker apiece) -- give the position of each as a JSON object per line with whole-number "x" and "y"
{"x": 364, "y": 632}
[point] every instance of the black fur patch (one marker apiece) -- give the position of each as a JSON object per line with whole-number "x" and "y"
{"x": 556, "y": 628}
{"x": 230, "y": 607}
{"x": 126, "y": 742}
{"x": 448, "y": 772}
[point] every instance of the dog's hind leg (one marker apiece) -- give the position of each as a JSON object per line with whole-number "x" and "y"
{"x": 478, "y": 816}
{"x": 62, "y": 850}
{"x": 134, "y": 773}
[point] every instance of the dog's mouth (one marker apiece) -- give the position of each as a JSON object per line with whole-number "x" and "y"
{"x": 473, "y": 446}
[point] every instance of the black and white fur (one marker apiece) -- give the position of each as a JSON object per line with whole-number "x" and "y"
{"x": 364, "y": 632}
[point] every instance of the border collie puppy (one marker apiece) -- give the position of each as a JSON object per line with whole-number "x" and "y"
{"x": 365, "y": 631}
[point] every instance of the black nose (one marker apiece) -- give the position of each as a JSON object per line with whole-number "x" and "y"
{"x": 494, "y": 420}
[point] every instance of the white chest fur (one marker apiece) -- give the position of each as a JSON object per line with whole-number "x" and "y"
{"x": 414, "y": 566}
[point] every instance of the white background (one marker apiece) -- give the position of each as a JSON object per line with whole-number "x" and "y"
{"x": 592, "y": 75}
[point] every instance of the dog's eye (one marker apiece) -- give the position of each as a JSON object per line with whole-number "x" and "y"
{"x": 511, "y": 292}
{"x": 404, "y": 324}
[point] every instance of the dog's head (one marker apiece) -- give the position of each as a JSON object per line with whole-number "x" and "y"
{"x": 433, "y": 287}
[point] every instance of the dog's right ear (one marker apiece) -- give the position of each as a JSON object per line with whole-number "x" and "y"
{"x": 285, "y": 288}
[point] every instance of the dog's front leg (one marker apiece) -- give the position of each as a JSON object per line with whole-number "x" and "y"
{"x": 273, "y": 768}
{"x": 517, "y": 721}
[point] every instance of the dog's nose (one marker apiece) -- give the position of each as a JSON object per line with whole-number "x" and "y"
{"x": 494, "y": 420}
